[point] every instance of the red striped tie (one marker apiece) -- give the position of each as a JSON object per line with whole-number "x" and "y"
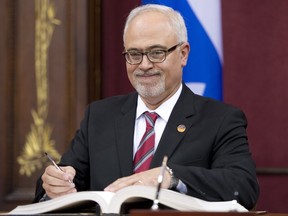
{"x": 145, "y": 151}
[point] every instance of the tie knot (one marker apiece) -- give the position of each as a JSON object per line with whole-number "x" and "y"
{"x": 151, "y": 117}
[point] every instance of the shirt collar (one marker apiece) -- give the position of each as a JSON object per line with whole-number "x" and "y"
{"x": 164, "y": 110}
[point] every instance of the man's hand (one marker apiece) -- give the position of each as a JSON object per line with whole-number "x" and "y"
{"x": 57, "y": 183}
{"x": 149, "y": 177}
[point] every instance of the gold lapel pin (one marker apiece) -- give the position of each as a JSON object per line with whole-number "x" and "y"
{"x": 181, "y": 128}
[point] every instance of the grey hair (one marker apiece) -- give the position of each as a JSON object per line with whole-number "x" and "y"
{"x": 175, "y": 18}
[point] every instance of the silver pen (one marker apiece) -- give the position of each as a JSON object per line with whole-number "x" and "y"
{"x": 55, "y": 165}
{"x": 155, "y": 205}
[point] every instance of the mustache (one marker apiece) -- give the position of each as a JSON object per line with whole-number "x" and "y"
{"x": 147, "y": 73}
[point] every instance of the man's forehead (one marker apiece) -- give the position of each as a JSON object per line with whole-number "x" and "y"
{"x": 149, "y": 32}
{"x": 147, "y": 47}
{"x": 149, "y": 19}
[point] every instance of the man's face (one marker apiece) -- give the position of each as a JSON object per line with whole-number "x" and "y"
{"x": 155, "y": 82}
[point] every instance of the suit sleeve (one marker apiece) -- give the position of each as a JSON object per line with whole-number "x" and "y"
{"x": 76, "y": 156}
{"x": 231, "y": 171}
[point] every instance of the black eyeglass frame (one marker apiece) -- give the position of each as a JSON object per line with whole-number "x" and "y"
{"x": 166, "y": 53}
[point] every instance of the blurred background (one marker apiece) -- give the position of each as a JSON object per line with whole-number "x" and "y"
{"x": 58, "y": 56}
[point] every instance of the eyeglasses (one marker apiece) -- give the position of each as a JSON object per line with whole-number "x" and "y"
{"x": 134, "y": 57}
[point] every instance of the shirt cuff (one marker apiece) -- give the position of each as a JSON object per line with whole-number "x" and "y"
{"x": 44, "y": 198}
{"x": 181, "y": 187}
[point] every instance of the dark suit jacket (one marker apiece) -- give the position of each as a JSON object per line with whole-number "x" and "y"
{"x": 211, "y": 156}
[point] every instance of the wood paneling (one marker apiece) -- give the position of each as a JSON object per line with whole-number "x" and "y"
{"x": 255, "y": 79}
{"x": 69, "y": 88}
{"x": 114, "y": 75}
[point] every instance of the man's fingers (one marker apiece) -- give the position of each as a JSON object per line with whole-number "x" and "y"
{"x": 148, "y": 177}
{"x": 58, "y": 182}
{"x": 70, "y": 171}
{"x": 50, "y": 180}
{"x": 53, "y": 175}
{"x": 54, "y": 192}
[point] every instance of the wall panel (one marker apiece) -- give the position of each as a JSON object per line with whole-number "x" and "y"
{"x": 256, "y": 79}
{"x": 44, "y": 87}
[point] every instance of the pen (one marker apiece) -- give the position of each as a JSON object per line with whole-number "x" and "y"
{"x": 53, "y": 162}
{"x": 160, "y": 180}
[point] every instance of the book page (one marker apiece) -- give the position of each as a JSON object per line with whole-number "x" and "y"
{"x": 111, "y": 202}
{"x": 171, "y": 199}
{"x": 66, "y": 202}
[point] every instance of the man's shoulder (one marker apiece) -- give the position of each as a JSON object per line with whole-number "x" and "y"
{"x": 203, "y": 101}
{"x": 207, "y": 104}
{"x": 115, "y": 102}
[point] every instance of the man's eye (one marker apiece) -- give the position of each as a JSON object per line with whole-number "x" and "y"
{"x": 135, "y": 54}
{"x": 156, "y": 52}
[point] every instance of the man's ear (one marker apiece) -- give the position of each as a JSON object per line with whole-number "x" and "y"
{"x": 185, "y": 49}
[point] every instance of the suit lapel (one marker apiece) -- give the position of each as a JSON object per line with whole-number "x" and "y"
{"x": 124, "y": 135}
{"x": 182, "y": 115}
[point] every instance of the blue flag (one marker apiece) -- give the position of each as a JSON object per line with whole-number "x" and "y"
{"x": 203, "y": 72}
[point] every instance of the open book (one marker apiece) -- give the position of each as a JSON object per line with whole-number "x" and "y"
{"x": 111, "y": 202}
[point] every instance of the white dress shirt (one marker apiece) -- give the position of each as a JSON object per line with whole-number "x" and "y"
{"x": 163, "y": 111}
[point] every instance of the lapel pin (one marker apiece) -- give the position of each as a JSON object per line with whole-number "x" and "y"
{"x": 181, "y": 128}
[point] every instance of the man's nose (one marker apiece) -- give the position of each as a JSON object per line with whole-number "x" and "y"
{"x": 146, "y": 63}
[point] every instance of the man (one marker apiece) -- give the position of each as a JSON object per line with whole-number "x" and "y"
{"x": 205, "y": 140}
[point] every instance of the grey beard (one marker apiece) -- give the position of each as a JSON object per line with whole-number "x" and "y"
{"x": 150, "y": 91}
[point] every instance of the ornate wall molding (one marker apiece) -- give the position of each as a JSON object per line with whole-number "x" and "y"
{"x": 50, "y": 72}
{"x": 38, "y": 140}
